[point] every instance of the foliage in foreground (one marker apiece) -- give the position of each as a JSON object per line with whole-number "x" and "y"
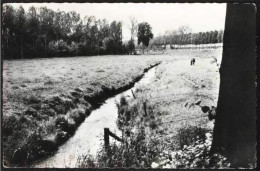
{"x": 141, "y": 152}
{"x": 142, "y": 148}
{"x": 196, "y": 155}
{"x": 136, "y": 152}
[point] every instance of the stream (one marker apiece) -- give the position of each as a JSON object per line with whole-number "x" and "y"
{"x": 88, "y": 138}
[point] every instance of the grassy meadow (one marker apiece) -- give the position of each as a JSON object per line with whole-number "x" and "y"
{"x": 44, "y": 100}
{"x": 175, "y": 118}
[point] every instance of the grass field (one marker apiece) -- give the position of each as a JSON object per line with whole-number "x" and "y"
{"x": 44, "y": 100}
{"x": 175, "y": 88}
{"x": 173, "y": 120}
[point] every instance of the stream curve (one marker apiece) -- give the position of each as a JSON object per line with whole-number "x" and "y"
{"x": 88, "y": 138}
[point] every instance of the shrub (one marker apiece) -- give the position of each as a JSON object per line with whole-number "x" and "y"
{"x": 31, "y": 99}
{"x": 66, "y": 124}
{"x": 137, "y": 151}
{"x": 16, "y": 147}
{"x": 140, "y": 147}
{"x": 196, "y": 155}
{"x": 77, "y": 115}
{"x": 8, "y": 125}
{"x": 187, "y": 135}
{"x": 86, "y": 161}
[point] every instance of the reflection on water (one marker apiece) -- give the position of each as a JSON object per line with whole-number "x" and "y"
{"x": 89, "y": 135}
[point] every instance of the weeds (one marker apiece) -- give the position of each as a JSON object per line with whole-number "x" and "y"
{"x": 137, "y": 152}
{"x": 140, "y": 147}
{"x": 57, "y": 118}
{"x": 187, "y": 135}
{"x": 195, "y": 155}
{"x": 19, "y": 128}
{"x": 37, "y": 132}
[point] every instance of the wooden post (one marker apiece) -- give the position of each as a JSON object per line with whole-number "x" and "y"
{"x": 133, "y": 93}
{"x": 106, "y": 138}
{"x": 107, "y": 133}
{"x": 144, "y": 104}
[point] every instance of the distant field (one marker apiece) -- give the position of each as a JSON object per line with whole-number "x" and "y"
{"x": 44, "y": 99}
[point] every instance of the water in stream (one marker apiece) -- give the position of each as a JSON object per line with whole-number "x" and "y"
{"x": 89, "y": 135}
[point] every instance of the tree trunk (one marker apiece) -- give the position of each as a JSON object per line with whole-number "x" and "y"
{"x": 45, "y": 47}
{"x": 7, "y": 41}
{"x": 235, "y": 126}
{"x": 98, "y": 50}
{"x": 77, "y": 50}
{"x": 98, "y": 44}
{"x": 34, "y": 51}
{"x": 21, "y": 45}
{"x": 57, "y": 46}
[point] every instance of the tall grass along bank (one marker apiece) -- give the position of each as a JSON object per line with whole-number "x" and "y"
{"x": 41, "y": 113}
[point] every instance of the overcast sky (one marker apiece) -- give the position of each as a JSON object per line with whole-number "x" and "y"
{"x": 161, "y": 16}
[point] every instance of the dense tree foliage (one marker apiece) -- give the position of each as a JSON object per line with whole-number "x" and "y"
{"x": 144, "y": 33}
{"x": 42, "y": 32}
{"x": 183, "y": 37}
{"x": 131, "y": 46}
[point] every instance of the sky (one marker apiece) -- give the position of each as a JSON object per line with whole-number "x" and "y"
{"x": 161, "y": 16}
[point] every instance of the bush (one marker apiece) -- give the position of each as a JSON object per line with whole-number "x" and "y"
{"x": 59, "y": 48}
{"x": 8, "y": 125}
{"x": 77, "y": 115}
{"x": 16, "y": 147}
{"x": 136, "y": 152}
{"x": 196, "y": 155}
{"x": 189, "y": 134}
{"x": 31, "y": 99}
{"x": 140, "y": 147}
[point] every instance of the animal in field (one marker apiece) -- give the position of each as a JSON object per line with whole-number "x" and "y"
{"x": 192, "y": 62}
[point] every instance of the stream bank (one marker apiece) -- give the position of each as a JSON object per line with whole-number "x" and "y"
{"x": 104, "y": 114}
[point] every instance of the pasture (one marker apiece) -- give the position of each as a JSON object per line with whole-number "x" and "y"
{"x": 44, "y": 100}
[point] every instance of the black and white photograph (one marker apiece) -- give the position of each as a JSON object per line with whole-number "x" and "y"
{"x": 128, "y": 85}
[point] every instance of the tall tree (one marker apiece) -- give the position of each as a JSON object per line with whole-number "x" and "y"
{"x": 51, "y": 33}
{"x": 131, "y": 46}
{"x": 235, "y": 125}
{"x": 115, "y": 37}
{"x": 20, "y": 27}
{"x": 33, "y": 25}
{"x": 103, "y": 32}
{"x": 8, "y": 17}
{"x": 76, "y": 31}
{"x": 144, "y": 34}
{"x": 133, "y": 27}
{"x": 182, "y": 31}
{"x": 47, "y": 29}
{"x": 220, "y": 36}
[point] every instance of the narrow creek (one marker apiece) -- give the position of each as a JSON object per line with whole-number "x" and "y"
{"x": 89, "y": 135}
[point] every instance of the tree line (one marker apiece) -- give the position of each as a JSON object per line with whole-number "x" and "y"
{"x": 42, "y": 32}
{"x": 184, "y": 36}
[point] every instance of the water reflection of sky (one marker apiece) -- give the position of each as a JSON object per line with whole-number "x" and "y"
{"x": 89, "y": 135}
